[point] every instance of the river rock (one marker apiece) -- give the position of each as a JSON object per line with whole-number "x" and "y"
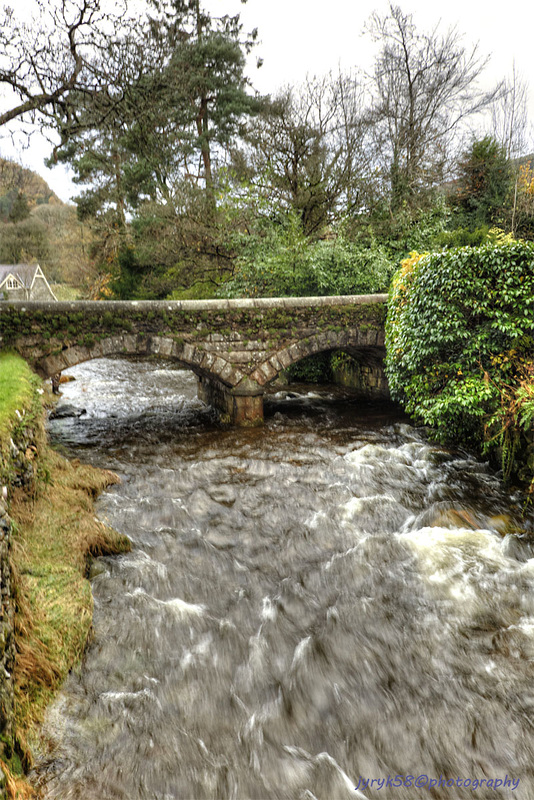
{"x": 67, "y": 410}
{"x": 225, "y": 495}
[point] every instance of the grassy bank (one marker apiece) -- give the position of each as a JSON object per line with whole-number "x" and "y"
{"x": 55, "y": 535}
{"x": 17, "y": 393}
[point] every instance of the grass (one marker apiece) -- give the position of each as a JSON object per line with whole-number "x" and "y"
{"x": 55, "y": 536}
{"x": 67, "y": 293}
{"x": 17, "y": 390}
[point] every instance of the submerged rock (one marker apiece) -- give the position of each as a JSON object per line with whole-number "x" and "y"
{"x": 67, "y": 410}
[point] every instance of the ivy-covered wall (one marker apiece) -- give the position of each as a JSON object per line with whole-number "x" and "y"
{"x": 7, "y": 643}
{"x": 460, "y": 348}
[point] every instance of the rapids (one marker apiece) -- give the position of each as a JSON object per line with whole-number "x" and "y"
{"x": 318, "y": 605}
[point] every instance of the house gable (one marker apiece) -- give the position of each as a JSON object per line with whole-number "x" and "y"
{"x": 11, "y": 282}
{"x": 39, "y": 287}
{"x": 24, "y": 282}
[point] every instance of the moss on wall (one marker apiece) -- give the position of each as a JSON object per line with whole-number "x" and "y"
{"x": 48, "y": 331}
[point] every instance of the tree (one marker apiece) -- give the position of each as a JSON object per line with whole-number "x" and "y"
{"x": 178, "y": 104}
{"x": 184, "y": 98}
{"x": 20, "y": 209}
{"x": 523, "y": 205}
{"x": 305, "y": 150}
{"x": 484, "y": 185}
{"x": 510, "y": 129}
{"x": 24, "y": 241}
{"x": 209, "y": 86}
{"x": 424, "y": 86}
{"x": 509, "y": 116}
{"x": 283, "y": 261}
{"x": 50, "y": 69}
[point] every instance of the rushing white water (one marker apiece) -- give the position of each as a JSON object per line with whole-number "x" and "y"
{"x": 322, "y": 604}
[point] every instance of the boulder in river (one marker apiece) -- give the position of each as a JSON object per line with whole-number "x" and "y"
{"x": 67, "y": 410}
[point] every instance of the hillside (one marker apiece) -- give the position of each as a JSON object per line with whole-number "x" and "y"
{"x": 35, "y": 225}
{"x": 16, "y": 181}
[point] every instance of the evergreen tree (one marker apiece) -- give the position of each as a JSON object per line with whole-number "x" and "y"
{"x": 484, "y": 185}
{"x": 20, "y": 209}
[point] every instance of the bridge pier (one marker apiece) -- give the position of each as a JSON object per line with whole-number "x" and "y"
{"x": 241, "y": 405}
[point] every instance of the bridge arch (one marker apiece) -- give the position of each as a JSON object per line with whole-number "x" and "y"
{"x": 191, "y": 357}
{"x": 235, "y": 347}
{"x": 354, "y": 343}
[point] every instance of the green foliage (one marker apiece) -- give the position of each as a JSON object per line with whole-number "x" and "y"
{"x": 23, "y": 188}
{"x": 185, "y": 253}
{"x": 126, "y": 284}
{"x": 462, "y": 237}
{"x": 484, "y": 184}
{"x": 313, "y": 369}
{"x": 460, "y": 341}
{"x": 409, "y": 228}
{"x": 24, "y": 241}
{"x": 281, "y": 261}
{"x": 16, "y": 389}
{"x": 20, "y": 209}
{"x": 198, "y": 291}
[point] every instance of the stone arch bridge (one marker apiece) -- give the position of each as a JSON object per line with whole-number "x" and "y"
{"x": 235, "y": 347}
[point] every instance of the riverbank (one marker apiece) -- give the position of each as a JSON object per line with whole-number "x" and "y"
{"x": 49, "y": 534}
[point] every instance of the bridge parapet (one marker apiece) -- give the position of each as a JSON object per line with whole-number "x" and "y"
{"x": 236, "y": 347}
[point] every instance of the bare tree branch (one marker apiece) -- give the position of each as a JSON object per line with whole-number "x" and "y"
{"x": 424, "y": 86}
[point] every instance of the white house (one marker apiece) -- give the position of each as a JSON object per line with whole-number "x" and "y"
{"x": 24, "y": 282}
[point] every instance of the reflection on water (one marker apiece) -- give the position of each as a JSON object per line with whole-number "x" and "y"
{"x": 324, "y": 599}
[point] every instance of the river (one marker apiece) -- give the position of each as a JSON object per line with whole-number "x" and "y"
{"x": 325, "y": 603}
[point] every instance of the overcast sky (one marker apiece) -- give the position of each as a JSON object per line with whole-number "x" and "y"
{"x": 298, "y": 37}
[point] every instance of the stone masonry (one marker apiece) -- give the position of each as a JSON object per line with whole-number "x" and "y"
{"x": 235, "y": 347}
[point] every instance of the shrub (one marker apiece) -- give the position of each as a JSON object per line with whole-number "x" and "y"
{"x": 284, "y": 262}
{"x": 460, "y": 342}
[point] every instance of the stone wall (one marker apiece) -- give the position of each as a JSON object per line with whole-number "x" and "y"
{"x": 16, "y": 469}
{"x": 227, "y": 340}
{"x": 366, "y": 377}
{"x": 237, "y": 347}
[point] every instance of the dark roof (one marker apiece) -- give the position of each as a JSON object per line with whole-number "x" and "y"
{"x": 24, "y": 272}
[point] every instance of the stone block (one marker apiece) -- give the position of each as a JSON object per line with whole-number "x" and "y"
{"x": 332, "y": 338}
{"x": 239, "y": 356}
{"x": 228, "y": 374}
{"x": 208, "y": 359}
{"x": 321, "y": 341}
{"x": 188, "y": 352}
{"x": 276, "y": 363}
{"x": 268, "y": 371}
{"x": 248, "y": 411}
{"x": 130, "y": 343}
{"x": 284, "y": 358}
{"x": 74, "y": 355}
{"x": 165, "y": 346}
{"x": 295, "y": 353}
{"x": 52, "y": 364}
{"x": 218, "y": 365}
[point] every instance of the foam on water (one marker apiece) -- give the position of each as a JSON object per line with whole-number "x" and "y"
{"x": 322, "y": 599}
